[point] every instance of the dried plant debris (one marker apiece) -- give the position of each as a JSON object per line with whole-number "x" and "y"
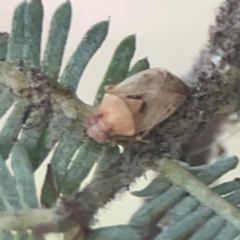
{"x": 41, "y": 91}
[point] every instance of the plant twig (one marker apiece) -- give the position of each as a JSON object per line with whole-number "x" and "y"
{"x": 32, "y": 86}
{"x": 27, "y": 219}
{"x": 196, "y": 188}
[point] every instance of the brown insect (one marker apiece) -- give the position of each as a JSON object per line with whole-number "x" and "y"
{"x": 137, "y": 104}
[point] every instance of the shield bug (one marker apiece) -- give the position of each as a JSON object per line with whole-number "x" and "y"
{"x": 137, "y": 104}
